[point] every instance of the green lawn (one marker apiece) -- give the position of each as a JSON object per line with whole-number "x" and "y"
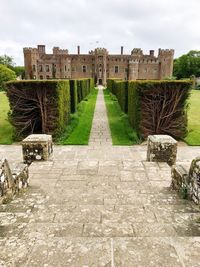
{"x": 6, "y": 130}
{"x": 121, "y": 131}
{"x": 78, "y": 132}
{"x": 193, "y": 137}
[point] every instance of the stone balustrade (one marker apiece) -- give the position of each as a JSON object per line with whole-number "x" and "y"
{"x": 161, "y": 148}
{"x": 187, "y": 182}
{"x": 12, "y": 177}
{"x": 37, "y": 147}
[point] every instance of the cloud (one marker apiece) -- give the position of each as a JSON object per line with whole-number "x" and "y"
{"x": 148, "y": 24}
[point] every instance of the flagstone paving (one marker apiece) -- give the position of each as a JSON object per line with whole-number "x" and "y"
{"x": 99, "y": 205}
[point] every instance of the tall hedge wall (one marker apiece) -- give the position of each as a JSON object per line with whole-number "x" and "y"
{"x": 44, "y": 106}
{"x": 74, "y": 95}
{"x": 121, "y": 92}
{"x": 154, "y": 107}
{"x": 111, "y": 85}
{"x": 39, "y": 106}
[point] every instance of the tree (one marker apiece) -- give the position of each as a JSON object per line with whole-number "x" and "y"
{"x": 187, "y": 65}
{"x": 6, "y": 74}
{"x": 20, "y": 71}
{"x": 7, "y": 61}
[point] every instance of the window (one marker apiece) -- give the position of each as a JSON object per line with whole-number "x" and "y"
{"x": 40, "y": 68}
{"x": 65, "y": 68}
{"x": 116, "y": 69}
{"x": 73, "y": 69}
{"x": 84, "y": 68}
{"x": 34, "y": 69}
{"x": 48, "y": 77}
{"x": 47, "y": 68}
{"x": 126, "y": 70}
{"x": 41, "y": 77}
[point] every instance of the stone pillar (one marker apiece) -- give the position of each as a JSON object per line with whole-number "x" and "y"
{"x": 161, "y": 148}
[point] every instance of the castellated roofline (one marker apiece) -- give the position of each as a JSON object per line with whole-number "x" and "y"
{"x": 58, "y": 51}
{"x": 165, "y": 52}
{"x": 30, "y": 49}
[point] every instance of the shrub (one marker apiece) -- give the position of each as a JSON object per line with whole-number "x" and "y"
{"x": 6, "y": 74}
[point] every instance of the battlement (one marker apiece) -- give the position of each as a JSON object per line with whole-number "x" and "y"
{"x": 101, "y": 51}
{"x": 58, "y": 51}
{"x": 165, "y": 52}
{"x": 27, "y": 50}
{"x": 137, "y": 51}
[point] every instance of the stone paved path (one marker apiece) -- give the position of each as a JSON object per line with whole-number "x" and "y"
{"x": 100, "y": 133}
{"x": 99, "y": 206}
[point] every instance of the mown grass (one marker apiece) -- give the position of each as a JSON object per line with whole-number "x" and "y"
{"x": 193, "y": 137}
{"x": 78, "y": 131}
{"x": 121, "y": 131}
{"x": 6, "y": 130}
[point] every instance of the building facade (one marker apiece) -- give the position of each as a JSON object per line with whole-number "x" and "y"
{"x": 98, "y": 64}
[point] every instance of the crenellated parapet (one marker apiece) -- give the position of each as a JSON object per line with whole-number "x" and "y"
{"x": 137, "y": 52}
{"x": 28, "y": 50}
{"x": 101, "y": 51}
{"x": 58, "y": 51}
{"x": 165, "y": 52}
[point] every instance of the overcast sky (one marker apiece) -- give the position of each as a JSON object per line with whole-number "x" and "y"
{"x": 148, "y": 24}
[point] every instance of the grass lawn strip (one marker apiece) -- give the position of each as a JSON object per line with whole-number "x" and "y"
{"x": 121, "y": 131}
{"x": 193, "y": 137}
{"x": 78, "y": 131}
{"x": 6, "y": 130}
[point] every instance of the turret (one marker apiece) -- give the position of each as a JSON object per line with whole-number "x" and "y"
{"x": 165, "y": 57}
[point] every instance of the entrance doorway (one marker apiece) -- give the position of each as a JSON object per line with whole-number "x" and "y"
{"x": 100, "y": 81}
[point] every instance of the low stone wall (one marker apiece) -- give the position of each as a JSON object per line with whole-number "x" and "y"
{"x": 161, "y": 148}
{"x": 12, "y": 178}
{"x": 187, "y": 182}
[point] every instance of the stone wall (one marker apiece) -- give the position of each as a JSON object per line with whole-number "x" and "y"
{"x": 187, "y": 182}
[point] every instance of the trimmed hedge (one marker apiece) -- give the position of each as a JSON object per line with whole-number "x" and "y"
{"x": 111, "y": 85}
{"x": 44, "y": 106}
{"x": 121, "y": 92}
{"x": 154, "y": 107}
{"x": 39, "y": 106}
{"x": 74, "y": 95}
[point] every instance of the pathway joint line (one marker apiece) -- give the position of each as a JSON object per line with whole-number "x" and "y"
{"x": 112, "y": 253}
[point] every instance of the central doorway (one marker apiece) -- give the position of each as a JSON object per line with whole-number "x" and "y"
{"x": 100, "y": 81}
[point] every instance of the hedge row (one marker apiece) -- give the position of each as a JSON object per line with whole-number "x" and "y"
{"x": 44, "y": 106}
{"x": 154, "y": 107}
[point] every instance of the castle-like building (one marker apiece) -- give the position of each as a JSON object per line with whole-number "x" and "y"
{"x": 98, "y": 64}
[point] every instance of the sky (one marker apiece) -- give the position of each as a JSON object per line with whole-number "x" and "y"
{"x": 146, "y": 24}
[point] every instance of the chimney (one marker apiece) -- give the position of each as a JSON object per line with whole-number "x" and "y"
{"x": 78, "y": 49}
{"x": 152, "y": 53}
{"x": 122, "y": 50}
